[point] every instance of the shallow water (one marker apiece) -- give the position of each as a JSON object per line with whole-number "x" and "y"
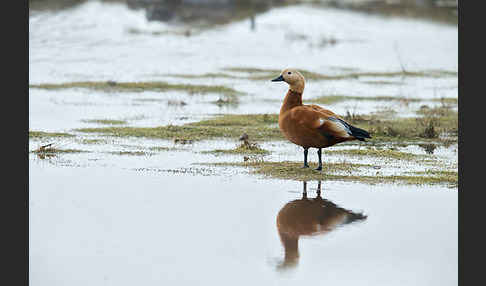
{"x": 99, "y": 218}
{"x": 121, "y": 227}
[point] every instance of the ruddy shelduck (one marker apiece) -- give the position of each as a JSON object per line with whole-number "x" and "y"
{"x": 309, "y": 217}
{"x": 311, "y": 126}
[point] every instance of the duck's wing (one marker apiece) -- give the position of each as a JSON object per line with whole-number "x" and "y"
{"x": 322, "y": 120}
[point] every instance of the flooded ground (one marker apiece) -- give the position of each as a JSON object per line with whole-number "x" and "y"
{"x": 138, "y": 176}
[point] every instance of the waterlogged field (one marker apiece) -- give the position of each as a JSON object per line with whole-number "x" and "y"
{"x": 155, "y": 155}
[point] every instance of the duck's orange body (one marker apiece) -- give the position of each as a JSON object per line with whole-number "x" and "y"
{"x": 311, "y": 126}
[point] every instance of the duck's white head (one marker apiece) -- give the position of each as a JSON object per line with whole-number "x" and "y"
{"x": 294, "y": 78}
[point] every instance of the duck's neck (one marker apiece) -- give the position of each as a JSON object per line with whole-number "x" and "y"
{"x": 292, "y": 99}
{"x": 291, "y": 247}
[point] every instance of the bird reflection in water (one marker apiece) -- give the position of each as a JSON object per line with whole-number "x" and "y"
{"x": 314, "y": 216}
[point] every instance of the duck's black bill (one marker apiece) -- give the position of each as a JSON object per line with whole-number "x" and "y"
{"x": 280, "y": 78}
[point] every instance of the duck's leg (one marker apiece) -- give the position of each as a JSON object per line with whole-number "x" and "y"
{"x": 304, "y": 192}
{"x": 319, "y": 154}
{"x": 306, "y": 150}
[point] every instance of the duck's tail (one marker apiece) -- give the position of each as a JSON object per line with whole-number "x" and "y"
{"x": 359, "y": 133}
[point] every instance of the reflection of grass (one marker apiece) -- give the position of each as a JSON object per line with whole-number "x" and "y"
{"x": 139, "y": 87}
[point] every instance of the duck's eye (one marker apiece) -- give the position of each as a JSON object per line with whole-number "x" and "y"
{"x": 289, "y": 73}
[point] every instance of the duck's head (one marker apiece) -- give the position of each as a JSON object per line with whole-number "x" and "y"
{"x": 294, "y": 78}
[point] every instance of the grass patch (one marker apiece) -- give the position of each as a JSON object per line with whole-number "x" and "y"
{"x": 105, "y": 121}
{"x": 94, "y": 141}
{"x": 162, "y": 149}
{"x": 139, "y": 87}
{"x": 41, "y": 134}
{"x": 415, "y": 128}
{"x": 385, "y": 153}
{"x": 56, "y": 151}
{"x": 261, "y": 74}
{"x": 131, "y": 153}
{"x": 245, "y": 148}
{"x": 294, "y": 171}
{"x": 48, "y": 151}
{"x": 264, "y": 127}
{"x": 205, "y": 75}
{"x": 440, "y": 175}
{"x": 259, "y": 127}
{"x": 331, "y": 99}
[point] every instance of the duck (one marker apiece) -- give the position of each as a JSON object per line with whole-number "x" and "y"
{"x": 309, "y": 217}
{"x": 311, "y": 126}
